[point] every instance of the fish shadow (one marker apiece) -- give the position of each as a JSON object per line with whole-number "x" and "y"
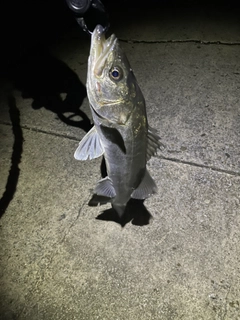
{"x": 52, "y": 85}
{"x": 135, "y": 212}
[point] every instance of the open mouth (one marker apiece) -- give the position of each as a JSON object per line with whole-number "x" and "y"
{"x": 100, "y": 47}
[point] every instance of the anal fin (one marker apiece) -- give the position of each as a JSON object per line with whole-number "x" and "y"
{"x": 146, "y": 188}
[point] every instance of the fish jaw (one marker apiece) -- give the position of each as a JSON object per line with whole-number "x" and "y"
{"x": 100, "y": 48}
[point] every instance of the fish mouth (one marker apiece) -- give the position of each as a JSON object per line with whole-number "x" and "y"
{"x": 100, "y": 49}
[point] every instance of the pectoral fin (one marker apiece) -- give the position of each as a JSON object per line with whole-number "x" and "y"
{"x": 105, "y": 188}
{"x": 153, "y": 143}
{"x": 146, "y": 188}
{"x": 89, "y": 147}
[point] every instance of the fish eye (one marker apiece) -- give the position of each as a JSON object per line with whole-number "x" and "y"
{"x": 116, "y": 73}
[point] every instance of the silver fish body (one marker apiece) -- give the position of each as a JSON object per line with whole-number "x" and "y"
{"x": 121, "y": 132}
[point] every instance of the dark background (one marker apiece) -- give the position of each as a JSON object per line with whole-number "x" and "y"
{"x": 27, "y": 24}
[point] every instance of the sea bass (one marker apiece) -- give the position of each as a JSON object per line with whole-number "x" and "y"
{"x": 120, "y": 132}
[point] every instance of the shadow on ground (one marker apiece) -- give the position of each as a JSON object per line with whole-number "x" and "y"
{"x": 135, "y": 212}
{"x": 44, "y": 78}
{"x": 16, "y": 156}
{"x": 52, "y": 85}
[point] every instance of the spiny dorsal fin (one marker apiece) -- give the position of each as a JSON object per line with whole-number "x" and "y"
{"x": 153, "y": 143}
{"x": 146, "y": 188}
{"x": 90, "y": 146}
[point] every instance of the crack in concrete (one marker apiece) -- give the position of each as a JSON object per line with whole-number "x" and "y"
{"x": 54, "y": 254}
{"x": 55, "y": 134}
{"x": 229, "y": 172}
{"x": 58, "y": 244}
{"x": 224, "y": 43}
{"x": 73, "y": 223}
{"x": 226, "y": 303}
{"x": 194, "y": 164}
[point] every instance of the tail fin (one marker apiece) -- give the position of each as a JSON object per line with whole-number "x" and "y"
{"x": 119, "y": 208}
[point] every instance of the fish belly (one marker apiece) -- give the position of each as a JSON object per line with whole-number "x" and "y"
{"x": 125, "y": 170}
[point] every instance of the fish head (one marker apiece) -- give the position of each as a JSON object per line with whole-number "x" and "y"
{"x": 112, "y": 88}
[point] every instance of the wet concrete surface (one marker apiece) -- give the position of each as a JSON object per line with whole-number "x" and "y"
{"x": 178, "y": 254}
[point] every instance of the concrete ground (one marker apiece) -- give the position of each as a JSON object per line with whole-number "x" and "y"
{"x": 178, "y": 254}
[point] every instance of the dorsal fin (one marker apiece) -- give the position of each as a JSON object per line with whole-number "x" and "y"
{"x": 153, "y": 142}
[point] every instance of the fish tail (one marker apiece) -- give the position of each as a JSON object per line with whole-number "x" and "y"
{"x": 119, "y": 208}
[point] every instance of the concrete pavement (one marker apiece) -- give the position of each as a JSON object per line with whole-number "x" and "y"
{"x": 178, "y": 255}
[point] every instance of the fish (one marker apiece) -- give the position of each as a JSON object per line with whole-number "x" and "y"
{"x": 121, "y": 133}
